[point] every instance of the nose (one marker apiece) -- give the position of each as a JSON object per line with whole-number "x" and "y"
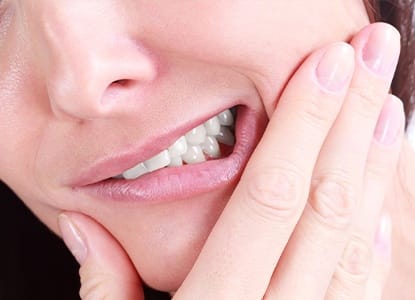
{"x": 92, "y": 76}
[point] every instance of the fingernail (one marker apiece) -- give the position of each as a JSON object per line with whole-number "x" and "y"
{"x": 73, "y": 238}
{"x": 381, "y": 51}
{"x": 383, "y": 240}
{"x": 336, "y": 67}
{"x": 390, "y": 121}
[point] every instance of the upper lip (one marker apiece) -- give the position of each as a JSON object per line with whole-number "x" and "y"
{"x": 111, "y": 165}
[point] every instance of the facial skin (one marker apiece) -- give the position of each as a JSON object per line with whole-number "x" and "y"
{"x": 63, "y": 107}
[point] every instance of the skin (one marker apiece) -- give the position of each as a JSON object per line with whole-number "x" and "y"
{"x": 55, "y": 99}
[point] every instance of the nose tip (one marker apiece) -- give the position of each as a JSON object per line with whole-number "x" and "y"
{"x": 95, "y": 84}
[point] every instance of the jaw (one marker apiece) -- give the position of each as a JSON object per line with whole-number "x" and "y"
{"x": 169, "y": 237}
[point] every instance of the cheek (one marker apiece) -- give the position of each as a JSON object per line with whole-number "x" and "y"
{"x": 21, "y": 123}
{"x": 264, "y": 41}
{"x": 21, "y": 127}
{"x": 22, "y": 106}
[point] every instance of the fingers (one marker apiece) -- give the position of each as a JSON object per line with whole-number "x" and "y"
{"x": 106, "y": 271}
{"x": 380, "y": 166}
{"x": 339, "y": 175}
{"x": 351, "y": 275}
{"x": 243, "y": 249}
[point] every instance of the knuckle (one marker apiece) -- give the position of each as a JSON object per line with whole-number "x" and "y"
{"x": 380, "y": 163}
{"x": 354, "y": 266}
{"x": 332, "y": 200}
{"x": 367, "y": 100}
{"x": 273, "y": 193}
{"x": 378, "y": 170}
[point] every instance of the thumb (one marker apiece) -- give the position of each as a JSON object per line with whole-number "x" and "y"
{"x": 106, "y": 271}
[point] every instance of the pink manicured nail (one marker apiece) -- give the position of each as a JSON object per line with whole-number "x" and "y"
{"x": 336, "y": 67}
{"x": 381, "y": 52}
{"x": 383, "y": 241}
{"x": 390, "y": 121}
{"x": 73, "y": 238}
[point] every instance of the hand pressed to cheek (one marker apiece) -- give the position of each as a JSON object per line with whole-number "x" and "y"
{"x": 339, "y": 174}
{"x": 271, "y": 193}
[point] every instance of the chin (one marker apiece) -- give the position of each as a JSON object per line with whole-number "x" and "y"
{"x": 167, "y": 246}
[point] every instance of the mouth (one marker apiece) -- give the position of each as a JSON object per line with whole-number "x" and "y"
{"x": 213, "y": 139}
{"x": 209, "y": 156}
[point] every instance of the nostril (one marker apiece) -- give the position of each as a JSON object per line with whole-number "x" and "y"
{"x": 118, "y": 86}
{"x": 120, "y": 83}
{"x": 118, "y": 90}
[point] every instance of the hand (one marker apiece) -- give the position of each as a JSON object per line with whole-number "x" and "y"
{"x": 301, "y": 222}
{"x": 400, "y": 204}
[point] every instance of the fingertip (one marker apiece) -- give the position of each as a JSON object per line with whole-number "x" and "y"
{"x": 382, "y": 257}
{"x": 336, "y": 67}
{"x": 378, "y": 47}
{"x": 73, "y": 238}
{"x": 106, "y": 270}
{"x": 91, "y": 242}
{"x": 383, "y": 239}
{"x": 391, "y": 121}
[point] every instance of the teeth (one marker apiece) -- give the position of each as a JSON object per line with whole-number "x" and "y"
{"x": 194, "y": 155}
{"x": 196, "y": 136}
{"x": 212, "y": 126}
{"x": 211, "y": 147}
{"x": 179, "y": 147}
{"x": 190, "y": 148}
{"x": 225, "y": 118}
{"x": 226, "y": 136}
{"x": 159, "y": 161}
{"x": 135, "y": 172}
{"x": 176, "y": 161}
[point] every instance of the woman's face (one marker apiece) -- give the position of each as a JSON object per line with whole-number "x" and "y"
{"x": 89, "y": 89}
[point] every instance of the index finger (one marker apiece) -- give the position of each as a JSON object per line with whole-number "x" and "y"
{"x": 245, "y": 245}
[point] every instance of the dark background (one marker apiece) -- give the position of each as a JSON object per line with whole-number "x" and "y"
{"x": 34, "y": 262}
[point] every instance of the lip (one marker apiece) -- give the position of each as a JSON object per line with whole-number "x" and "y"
{"x": 179, "y": 182}
{"x": 114, "y": 164}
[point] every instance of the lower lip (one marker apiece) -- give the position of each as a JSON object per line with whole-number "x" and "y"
{"x": 169, "y": 184}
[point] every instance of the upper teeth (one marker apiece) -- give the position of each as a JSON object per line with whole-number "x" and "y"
{"x": 191, "y": 148}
